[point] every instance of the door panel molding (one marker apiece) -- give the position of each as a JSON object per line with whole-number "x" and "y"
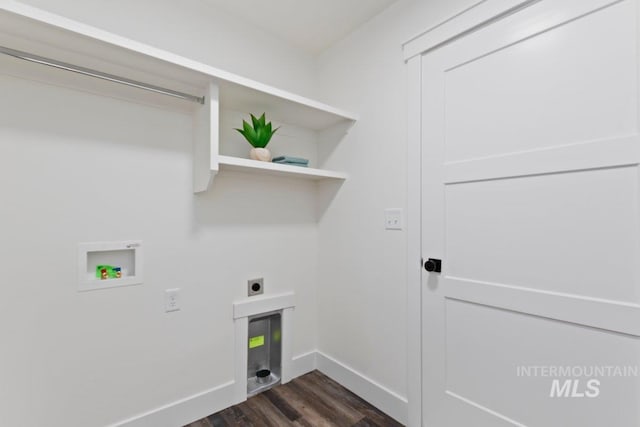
{"x": 481, "y": 15}
{"x": 530, "y": 23}
{"x": 605, "y": 153}
{"x": 473, "y": 18}
{"x": 496, "y": 418}
{"x": 615, "y": 316}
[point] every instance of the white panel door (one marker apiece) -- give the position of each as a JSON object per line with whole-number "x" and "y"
{"x": 530, "y": 197}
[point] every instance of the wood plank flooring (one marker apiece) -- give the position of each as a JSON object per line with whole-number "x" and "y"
{"x": 312, "y": 400}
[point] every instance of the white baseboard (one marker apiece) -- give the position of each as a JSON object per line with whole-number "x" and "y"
{"x": 379, "y": 396}
{"x": 203, "y": 404}
{"x": 303, "y": 364}
{"x": 193, "y": 408}
{"x": 185, "y": 411}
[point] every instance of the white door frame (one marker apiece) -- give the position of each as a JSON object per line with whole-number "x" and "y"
{"x": 479, "y": 15}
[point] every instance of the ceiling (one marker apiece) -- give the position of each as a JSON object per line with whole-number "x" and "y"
{"x": 312, "y": 25}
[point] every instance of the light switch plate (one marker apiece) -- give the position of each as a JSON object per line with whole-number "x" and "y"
{"x": 393, "y": 219}
{"x": 171, "y": 300}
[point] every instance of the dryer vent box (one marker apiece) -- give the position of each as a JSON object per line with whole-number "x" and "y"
{"x": 264, "y": 361}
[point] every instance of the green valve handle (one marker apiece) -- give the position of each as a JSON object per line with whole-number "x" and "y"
{"x": 108, "y": 272}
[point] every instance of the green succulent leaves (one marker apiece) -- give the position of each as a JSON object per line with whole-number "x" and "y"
{"x": 260, "y": 133}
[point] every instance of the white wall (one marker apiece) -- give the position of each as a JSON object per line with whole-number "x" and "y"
{"x": 362, "y": 288}
{"x": 77, "y": 167}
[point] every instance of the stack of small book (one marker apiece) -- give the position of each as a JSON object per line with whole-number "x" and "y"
{"x": 289, "y": 160}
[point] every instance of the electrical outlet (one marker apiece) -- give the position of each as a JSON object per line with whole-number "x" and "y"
{"x": 393, "y": 219}
{"x": 255, "y": 287}
{"x": 171, "y": 300}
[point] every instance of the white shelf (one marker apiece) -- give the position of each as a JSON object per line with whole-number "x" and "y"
{"x": 267, "y": 168}
{"x": 24, "y": 27}
{"x": 38, "y": 32}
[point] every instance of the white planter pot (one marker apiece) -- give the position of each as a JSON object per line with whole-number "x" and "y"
{"x": 261, "y": 154}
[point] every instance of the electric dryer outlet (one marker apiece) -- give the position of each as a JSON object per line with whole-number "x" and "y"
{"x": 255, "y": 287}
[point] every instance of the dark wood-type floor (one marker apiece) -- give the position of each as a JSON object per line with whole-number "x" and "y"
{"x": 310, "y": 400}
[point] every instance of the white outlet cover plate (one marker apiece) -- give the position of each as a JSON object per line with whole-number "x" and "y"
{"x": 171, "y": 300}
{"x": 393, "y": 219}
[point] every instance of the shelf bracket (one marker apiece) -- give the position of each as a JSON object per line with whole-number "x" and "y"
{"x": 206, "y": 140}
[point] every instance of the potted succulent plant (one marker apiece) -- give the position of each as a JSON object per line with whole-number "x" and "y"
{"x": 258, "y": 134}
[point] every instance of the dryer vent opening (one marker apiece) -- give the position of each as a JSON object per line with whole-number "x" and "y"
{"x": 264, "y": 361}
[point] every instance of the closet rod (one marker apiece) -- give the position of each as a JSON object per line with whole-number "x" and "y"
{"x": 98, "y": 74}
